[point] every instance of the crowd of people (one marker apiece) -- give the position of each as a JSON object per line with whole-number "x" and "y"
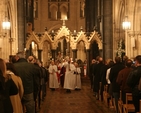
{"x": 22, "y": 84}
{"x": 23, "y": 81}
{"x": 121, "y": 75}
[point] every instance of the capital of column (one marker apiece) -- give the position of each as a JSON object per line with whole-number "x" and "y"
{"x": 88, "y": 50}
{"x": 40, "y": 50}
{"x": 74, "y": 50}
{"x": 53, "y": 50}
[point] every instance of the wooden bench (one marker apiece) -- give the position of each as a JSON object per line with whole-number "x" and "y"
{"x": 128, "y": 107}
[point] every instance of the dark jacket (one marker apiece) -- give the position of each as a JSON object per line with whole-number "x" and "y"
{"x": 134, "y": 77}
{"x": 29, "y": 75}
{"x": 113, "y": 76}
{"x": 6, "y": 90}
{"x": 122, "y": 79}
{"x": 97, "y": 76}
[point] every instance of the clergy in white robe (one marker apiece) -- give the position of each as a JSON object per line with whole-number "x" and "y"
{"x": 53, "y": 80}
{"x": 77, "y": 77}
{"x": 69, "y": 82}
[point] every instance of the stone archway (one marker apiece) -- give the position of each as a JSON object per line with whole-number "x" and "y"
{"x": 80, "y": 43}
{"x": 81, "y": 51}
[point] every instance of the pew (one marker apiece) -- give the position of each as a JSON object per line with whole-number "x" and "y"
{"x": 128, "y": 107}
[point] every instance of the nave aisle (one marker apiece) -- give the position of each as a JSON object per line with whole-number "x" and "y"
{"x": 81, "y": 101}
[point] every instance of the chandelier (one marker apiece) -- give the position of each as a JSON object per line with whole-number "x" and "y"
{"x": 6, "y": 23}
{"x": 126, "y": 25}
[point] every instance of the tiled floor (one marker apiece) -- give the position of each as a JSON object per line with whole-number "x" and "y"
{"x": 81, "y": 101}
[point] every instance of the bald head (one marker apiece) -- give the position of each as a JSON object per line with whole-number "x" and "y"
{"x": 100, "y": 59}
{"x": 31, "y": 59}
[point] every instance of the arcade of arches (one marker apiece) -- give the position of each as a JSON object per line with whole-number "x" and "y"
{"x": 45, "y": 46}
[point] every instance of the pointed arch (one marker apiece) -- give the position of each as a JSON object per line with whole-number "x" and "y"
{"x": 53, "y": 9}
{"x": 29, "y": 41}
{"x": 64, "y": 11}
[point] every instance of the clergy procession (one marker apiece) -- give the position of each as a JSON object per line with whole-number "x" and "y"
{"x": 66, "y": 74}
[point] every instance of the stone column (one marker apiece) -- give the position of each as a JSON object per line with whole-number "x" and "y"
{"x": 40, "y": 55}
{"x": 107, "y": 29}
{"x": 88, "y": 61}
{"x": 101, "y": 52}
{"x": 53, "y": 51}
{"x": 21, "y": 23}
{"x": 74, "y": 53}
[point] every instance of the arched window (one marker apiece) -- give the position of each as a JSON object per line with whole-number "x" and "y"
{"x": 53, "y": 11}
{"x": 63, "y": 11}
{"x": 81, "y": 51}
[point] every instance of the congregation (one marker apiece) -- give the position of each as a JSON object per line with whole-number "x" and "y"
{"x": 23, "y": 82}
{"x": 121, "y": 77}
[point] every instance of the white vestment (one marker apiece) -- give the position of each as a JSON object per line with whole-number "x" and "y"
{"x": 53, "y": 80}
{"x": 78, "y": 78}
{"x": 69, "y": 82}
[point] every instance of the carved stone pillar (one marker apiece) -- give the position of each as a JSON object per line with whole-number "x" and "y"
{"x": 88, "y": 60}
{"x": 40, "y": 55}
{"x": 53, "y": 51}
{"x": 74, "y": 54}
{"x": 107, "y": 29}
{"x": 21, "y": 24}
{"x": 101, "y": 52}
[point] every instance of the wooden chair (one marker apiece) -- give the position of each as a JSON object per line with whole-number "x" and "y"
{"x": 128, "y": 107}
{"x": 120, "y": 103}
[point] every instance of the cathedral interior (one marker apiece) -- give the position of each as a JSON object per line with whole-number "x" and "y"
{"x": 81, "y": 29}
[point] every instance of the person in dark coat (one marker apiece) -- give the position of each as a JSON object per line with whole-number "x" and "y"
{"x": 7, "y": 89}
{"x": 30, "y": 79}
{"x": 122, "y": 78}
{"x": 91, "y": 76}
{"x": 45, "y": 76}
{"x": 113, "y": 76}
{"x": 97, "y": 76}
{"x": 37, "y": 93}
{"x": 103, "y": 76}
{"x": 134, "y": 81}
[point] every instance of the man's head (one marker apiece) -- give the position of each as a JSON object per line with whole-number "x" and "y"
{"x": 20, "y": 55}
{"x": 100, "y": 59}
{"x": 129, "y": 63}
{"x": 138, "y": 60}
{"x": 117, "y": 59}
{"x": 93, "y": 61}
{"x": 31, "y": 59}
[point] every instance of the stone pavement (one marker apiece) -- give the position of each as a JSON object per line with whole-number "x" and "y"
{"x": 81, "y": 101}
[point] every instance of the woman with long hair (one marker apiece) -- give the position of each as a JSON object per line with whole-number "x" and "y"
{"x": 7, "y": 88}
{"x": 16, "y": 99}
